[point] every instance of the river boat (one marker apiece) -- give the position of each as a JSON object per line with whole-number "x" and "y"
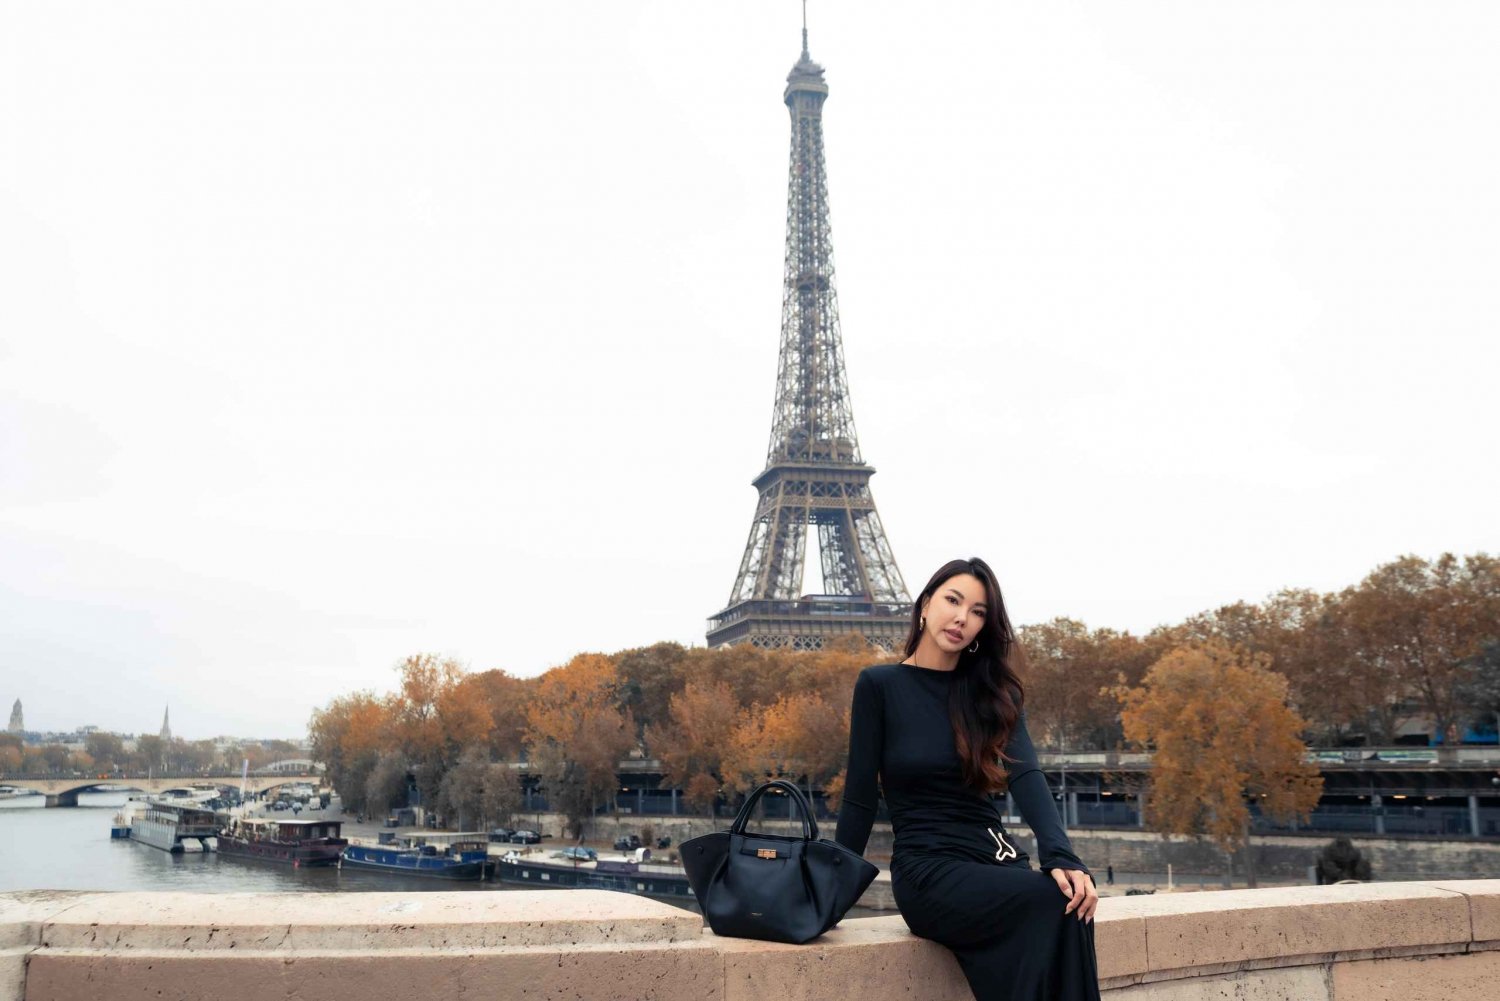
{"x": 460, "y": 860}
{"x": 631, "y": 875}
{"x": 295, "y": 842}
{"x": 173, "y": 827}
{"x": 126, "y": 815}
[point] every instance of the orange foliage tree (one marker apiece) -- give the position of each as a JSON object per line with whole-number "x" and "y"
{"x": 435, "y": 719}
{"x": 348, "y": 737}
{"x": 1218, "y": 721}
{"x": 802, "y": 738}
{"x": 690, "y": 742}
{"x": 577, "y": 732}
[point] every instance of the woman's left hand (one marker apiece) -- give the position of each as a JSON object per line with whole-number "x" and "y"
{"x": 1078, "y": 887}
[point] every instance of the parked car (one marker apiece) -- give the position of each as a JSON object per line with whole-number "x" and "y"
{"x": 625, "y": 844}
{"x": 280, "y": 805}
{"x": 501, "y": 834}
{"x": 578, "y": 853}
{"x": 524, "y": 838}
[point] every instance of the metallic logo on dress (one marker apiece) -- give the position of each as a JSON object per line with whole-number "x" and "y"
{"x": 1006, "y": 849}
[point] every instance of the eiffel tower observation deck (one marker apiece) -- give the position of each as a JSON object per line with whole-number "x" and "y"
{"x": 815, "y": 475}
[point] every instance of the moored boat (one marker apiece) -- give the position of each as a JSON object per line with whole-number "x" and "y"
{"x": 627, "y": 874}
{"x": 173, "y": 827}
{"x": 295, "y": 842}
{"x": 461, "y": 860}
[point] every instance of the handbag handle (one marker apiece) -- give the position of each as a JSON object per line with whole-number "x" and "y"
{"x": 809, "y": 823}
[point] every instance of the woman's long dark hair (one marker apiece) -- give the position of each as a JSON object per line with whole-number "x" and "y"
{"x": 987, "y": 695}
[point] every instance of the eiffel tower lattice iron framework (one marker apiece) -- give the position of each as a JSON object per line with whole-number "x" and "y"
{"x": 814, "y": 473}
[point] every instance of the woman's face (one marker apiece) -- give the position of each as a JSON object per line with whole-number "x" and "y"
{"x": 956, "y": 612}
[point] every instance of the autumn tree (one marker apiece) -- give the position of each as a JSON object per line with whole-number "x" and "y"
{"x": 690, "y": 742}
{"x": 462, "y": 789}
{"x": 1481, "y": 692}
{"x": 649, "y": 678}
{"x": 107, "y": 750}
{"x": 577, "y": 732}
{"x": 503, "y": 698}
{"x": 348, "y": 737}
{"x": 1307, "y": 636}
{"x": 757, "y": 676}
{"x": 1218, "y": 721}
{"x": 1422, "y": 624}
{"x": 148, "y": 755}
{"x": 435, "y": 719}
{"x": 801, "y": 738}
{"x": 501, "y": 793}
{"x": 1071, "y": 672}
{"x": 383, "y": 785}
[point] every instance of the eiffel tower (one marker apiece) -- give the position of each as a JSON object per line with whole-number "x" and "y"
{"x": 814, "y": 473}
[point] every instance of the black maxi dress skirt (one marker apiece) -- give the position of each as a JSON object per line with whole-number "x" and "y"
{"x": 957, "y": 879}
{"x": 1005, "y": 924}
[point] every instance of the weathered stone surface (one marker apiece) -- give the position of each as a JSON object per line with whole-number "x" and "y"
{"x": 1300, "y": 983}
{"x": 1234, "y": 926}
{"x": 368, "y": 921}
{"x": 1355, "y": 941}
{"x": 682, "y": 972}
{"x": 872, "y": 959}
{"x": 23, "y": 913}
{"x": 1484, "y": 905}
{"x": 1425, "y": 978}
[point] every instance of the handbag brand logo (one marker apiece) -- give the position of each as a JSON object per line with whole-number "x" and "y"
{"x": 765, "y": 853}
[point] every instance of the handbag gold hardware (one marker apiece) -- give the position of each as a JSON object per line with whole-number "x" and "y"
{"x": 765, "y": 853}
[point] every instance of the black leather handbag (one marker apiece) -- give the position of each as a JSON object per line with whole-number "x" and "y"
{"x": 772, "y": 886}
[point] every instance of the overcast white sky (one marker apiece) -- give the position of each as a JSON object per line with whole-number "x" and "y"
{"x": 334, "y": 332}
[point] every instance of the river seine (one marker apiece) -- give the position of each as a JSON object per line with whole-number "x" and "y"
{"x": 69, "y": 848}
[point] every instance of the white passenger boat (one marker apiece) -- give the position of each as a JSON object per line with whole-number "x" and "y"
{"x": 170, "y": 826}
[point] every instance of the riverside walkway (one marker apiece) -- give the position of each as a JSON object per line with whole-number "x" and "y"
{"x": 1419, "y": 941}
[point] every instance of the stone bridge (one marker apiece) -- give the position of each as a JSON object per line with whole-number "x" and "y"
{"x": 64, "y": 791}
{"x": 1427, "y": 941}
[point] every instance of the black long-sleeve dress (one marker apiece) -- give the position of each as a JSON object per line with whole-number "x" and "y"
{"x": 956, "y": 876}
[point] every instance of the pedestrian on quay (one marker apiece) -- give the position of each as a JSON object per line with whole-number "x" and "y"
{"x": 1109, "y": 874}
{"x": 941, "y": 730}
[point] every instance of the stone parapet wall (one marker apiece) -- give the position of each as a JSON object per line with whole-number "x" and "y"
{"x": 1365, "y": 942}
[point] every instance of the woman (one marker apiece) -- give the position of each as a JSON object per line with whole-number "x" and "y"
{"x": 936, "y": 727}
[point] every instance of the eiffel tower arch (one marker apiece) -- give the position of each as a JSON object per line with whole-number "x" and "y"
{"x": 815, "y": 474}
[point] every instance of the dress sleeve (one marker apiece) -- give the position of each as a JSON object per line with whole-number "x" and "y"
{"x": 866, "y": 738}
{"x": 1029, "y": 791}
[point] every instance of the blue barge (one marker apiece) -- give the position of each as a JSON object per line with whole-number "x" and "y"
{"x": 464, "y": 860}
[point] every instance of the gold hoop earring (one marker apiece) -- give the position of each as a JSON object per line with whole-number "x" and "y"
{"x": 975, "y": 647}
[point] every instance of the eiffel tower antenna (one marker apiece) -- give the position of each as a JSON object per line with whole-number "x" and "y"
{"x": 814, "y": 473}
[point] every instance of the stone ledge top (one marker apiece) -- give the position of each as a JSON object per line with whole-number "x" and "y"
{"x": 1136, "y": 936}
{"x": 351, "y": 921}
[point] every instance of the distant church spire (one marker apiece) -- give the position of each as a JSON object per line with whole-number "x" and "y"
{"x": 17, "y": 722}
{"x": 166, "y": 727}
